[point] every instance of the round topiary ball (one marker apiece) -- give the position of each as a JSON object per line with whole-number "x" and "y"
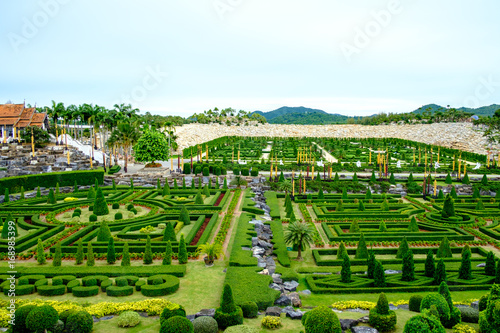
{"x": 63, "y": 316}
{"x": 116, "y": 205}
{"x": 169, "y": 313}
{"x": 322, "y": 319}
{"x": 21, "y": 315}
{"x": 419, "y": 324}
{"x": 42, "y": 318}
{"x": 93, "y": 218}
{"x": 118, "y": 216}
{"x": 80, "y": 322}
{"x": 177, "y": 324}
{"x": 129, "y": 319}
{"x": 250, "y": 309}
{"x": 205, "y": 325}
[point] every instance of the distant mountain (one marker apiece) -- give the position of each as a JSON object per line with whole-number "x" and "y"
{"x": 302, "y": 115}
{"x": 481, "y": 111}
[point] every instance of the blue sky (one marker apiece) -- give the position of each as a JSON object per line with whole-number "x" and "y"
{"x": 180, "y": 57}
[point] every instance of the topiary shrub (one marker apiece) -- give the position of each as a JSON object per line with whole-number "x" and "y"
{"x": 483, "y": 302}
{"x": 423, "y": 324}
{"x": 92, "y": 218}
{"x": 469, "y": 315}
{"x": 245, "y": 172}
{"x": 177, "y": 324}
{"x": 381, "y": 317}
{"x": 129, "y": 319}
{"x": 440, "y": 303}
{"x": 206, "y": 171}
{"x": 122, "y": 282}
{"x": 205, "y": 324}
{"x": 21, "y": 314}
{"x": 271, "y": 322}
{"x": 116, "y": 205}
{"x": 80, "y": 322}
{"x": 228, "y": 314}
{"x": 42, "y": 318}
{"x": 250, "y": 309}
{"x": 169, "y": 313}
{"x": 63, "y": 316}
{"x": 414, "y": 303}
{"x": 322, "y": 319}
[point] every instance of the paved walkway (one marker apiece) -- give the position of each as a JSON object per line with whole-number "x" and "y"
{"x": 329, "y": 157}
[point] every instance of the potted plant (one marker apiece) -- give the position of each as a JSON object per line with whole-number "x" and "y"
{"x": 212, "y": 251}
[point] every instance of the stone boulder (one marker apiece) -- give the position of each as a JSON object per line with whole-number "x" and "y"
{"x": 284, "y": 300}
{"x": 295, "y": 298}
{"x": 274, "y": 311}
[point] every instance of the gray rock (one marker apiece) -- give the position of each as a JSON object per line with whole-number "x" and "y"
{"x": 481, "y": 265}
{"x": 363, "y": 329}
{"x": 283, "y": 301}
{"x": 404, "y": 307}
{"x": 291, "y": 285}
{"x": 295, "y": 298}
{"x": 275, "y": 286}
{"x": 191, "y": 317}
{"x": 106, "y": 318}
{"x": 347, "y": 324}
{"x": 306, "y": 292}
{"x": 364, "y": 320}
{"x": 391, "y": 271}
{"x": 392, "y": 307}
{"x": 475, "y": 305}
{"x": 292, "y": 313}
{"x": 205, "y": 313}
{"x": 264, "y": 244}
{"x": 273, "y": 311}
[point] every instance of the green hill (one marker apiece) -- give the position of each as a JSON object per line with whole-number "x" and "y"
{"x": 481, "y": 111}
{"x": 302, "y": 115}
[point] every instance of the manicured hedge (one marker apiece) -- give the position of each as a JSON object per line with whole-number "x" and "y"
{"x": 272, "y": 202}
{"x": 119, "y": 291}
{"x": 98, "y": 278}
{"x": 51, "y": 290}
{"x": 72, "y": 284}
{"x": 279, "y": 243}
{"x": 170, "y": 285}
{"x": 21, "y": 290}
{"x": 105, "y": 284}
{"x": 85, "y": 291}
{"x": 244, "y": 233}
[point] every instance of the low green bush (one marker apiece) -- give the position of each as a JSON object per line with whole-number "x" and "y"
{"x": 89, "y": 281}
{"x": 169, "y": 313}
{"x": 139, "y": 284}
{"x": 170, "y": 285}
{"x": 118, "y": 216}
{"x": 423, "y": 324}
{"x": 241, "y": 329}
{"x": 119, "y": 291}
{"x": 63, "y": 316}
{"x": 381, "y": 317}
{"x": 72, "y": 284}
{"x": 116, "y": 205}
{"x": 250, "y": 309}
{"x": 414, "y": 303}
{"x": 322, "y": 319}
{"x": 21, "y": 314}
{"x": 85, "y": 291}
{"x": 41, "y": 318}
{"x": 121, "y": 282}
{"x": 105, "y": 284}
{"x": 177, "y": 324}
{"x": 93, "y": 217}
{"x": 440, "y": 303}
{"x": 129, "y": 319}
{"x": 52, "y": 290}
{"x": 205, "y": 324}
{"x": 80, "y": 322}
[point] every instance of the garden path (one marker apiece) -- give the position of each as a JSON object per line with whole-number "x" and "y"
{"x": 236, "y": 216}
{"x": 265, "y": 156}
{"x": 326, "y": 154}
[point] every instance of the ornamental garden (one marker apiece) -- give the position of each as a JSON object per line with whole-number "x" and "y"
{"x": 257, "y": 235}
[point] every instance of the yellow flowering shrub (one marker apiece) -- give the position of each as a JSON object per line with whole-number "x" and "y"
{"x": 342, "y": 305}
{"x": 4, "y": 318}
{"x": 69, "y": 199}
{"x": 271, "y": 322}
{"x": 462, "y": 328}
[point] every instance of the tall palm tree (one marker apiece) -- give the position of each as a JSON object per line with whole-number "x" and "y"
{"x": 126, "y": 136}
{"x": 300, "y": 234}
{"x": 285, "y": 186}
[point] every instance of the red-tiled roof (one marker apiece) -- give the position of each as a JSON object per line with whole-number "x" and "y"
{"x": 11, "y": 110}
{"x": 19, "y": 116}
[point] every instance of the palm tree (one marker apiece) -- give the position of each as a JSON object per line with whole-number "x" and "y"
{"x": 300, "y": 234}
{"x": 285, "y": 186}
{"x": 213, "y": 251}
{"x": 126, "y": 135}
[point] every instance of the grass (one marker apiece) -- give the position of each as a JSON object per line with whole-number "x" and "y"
{"x": 66, "y": 217}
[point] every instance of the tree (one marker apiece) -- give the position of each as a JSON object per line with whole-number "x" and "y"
{"x": 379, "y": 275}
{"x": 299, "y": 234}
{"x": 465, "y": 272}
{"x": 198, "y": 200}
{"x": 392, "y": 180}
{"x": 56, "y": 262}
{"x": 361, "y": 206}
{"x": 224, "y": 186}
{"x": 182, "y": 255}
{"x": 371, "y": 263}
{"x": 497, "y": 273}
{"x": 385, "y": 206}
{"x": 166, "y": 188}
{"x": 213, "y": 251}
{"x": 354, "y": 227}
{"x": 9, "y": 229}
{"x": 466, "y": 179}
{"x": 184, "y": 216}
{"x": 444, "y": 250}
{"x": 100, "y": 204}
{"x": 430, "y": 266}
{"x": 321, "y": 195}
{"x": 368, "y": 195}
{"x": 285, "y": 186}
{"x": 382, "y": 227}
{"x": 480, "y": 205}
{"x": 167, "y": 258}
{"x": 40, "y": 136}
{"x": 40, "y": 253}
{"x": 111, "y": 255}
{"x": 373, "y": 179}
{"x": 344, "y": 193}
{"x": 206, "y": 191}
{"x": 339, "y": 207}
{"x": 50, "y": 200}
{"x": 148, "y": 254}
{"x": 453, "y": 192}
{"x": 484, "y": 180}
{"x": 408, "y": 267}
{"x": 403, "y": 248}
{"x": 342, "y": 251}
{"x": 38, "y": 192}
{"x": 79, "y": 253}
{"x": 227, "y": 303}
{"x": 448, "y": 179}
{"x": 152, "y": 146}
{"x": 91, "y": 193}
{"x": 440, "y": 273}
{"x": 90, "y": 255}
{"x": 345, "y": 273}
{"x": 125, "y": 256}
{"x": 169, "y": 233}
{"x": 476, "y": 194}
{"x": 104, "y": 234}
{"x": 489, "y": 268}
{"x": 361, "y": 250}
{"x": 413, "y": 226}
{"x": 158, "y": 184}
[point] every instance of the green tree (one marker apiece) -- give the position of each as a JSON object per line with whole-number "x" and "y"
{"x": 497, "y": 273}
{"x": 354, "y": 227}
{"x": 38, "y": 192}
{"x": 379, "y": 275}
{"x": 100, "y": 204}
{"x": 430, "y": 266}
{"x": 198, "y": 200}
{"x": 206, "y": 191}
{"x": 342, "y": 251}
{"x": 345, "y": 273}
{"x": 22, "y": 193}
{"x": 224, "y": 186}
{"x": 489, "y": 268}
{"x": 125, "y": 256}
{"x": 368, "y": 195}
{"x": 466, "y": 179}
{"x": 403, "y": 248}
{"x": 104, "y": 234}
{"x": 479, "y": 205}
{"x": 465, "y": 270}
{"x": 6, "y": 230}
{"x": 182, "y": 255}
{"x": 111, "y": 255}
{"x": 57, "y": 189}
{"x": 227, "y": 303}
{"x": 382, "y": 227}
{"x": 148, "y": 254}
{"x": 444, "y": 250}
{"x": 169, "y": 233}
{"x": 361, "y": 206}
{"x": 56, "y": 262}
{"x": 114, "y": 186}
{"x": 184, "y": 216}
{"x": 453, "y": 192}
{"x": 448, "y": 179}
{"x": 413, "y": 226}
{"x": 484, "y": 180}
{"x": 392, "y": 180}
{"x": 91, "y": 193}
{"x": 167, "y": 258}
{"x": 6, "y": 197}
{"x": 75, "y": 187}
{"x": 385, "y": 206}
{"x": 90, "y": 255}
{"x": 299, "y": 234}
{"x": 158, "y": 184}
{"x": 344, "y": 193}
{"x": 408, "y": 267}
{"x": 475, "y": 193}
{"x": 371, "y": 262}
{"x": 361, "y": 250}
{"x": 79, "y": 253}
{"x": 321, "y": 195}
{"x": 440, "y": 273}
{"x": 373, "y": 179}
{"x": 166, "y": 188}
{"x": 152, "y": 146}
{"x": 339, "y": 207}
{"x": 40, "y": 253}
{"x": 51, "y": 198}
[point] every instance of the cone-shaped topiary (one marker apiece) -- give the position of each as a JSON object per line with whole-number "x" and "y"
{"x": 79, "y": 253}
{"x": 381, "y": 317}
{"x": 392, "y": 180}
{"x": 403, "y": 248}
{"x": 379, "y": 275}
{"x": 408, "y": 267}
{"x": 430, "y": 266}
{"x": 198, "y": 200}
{"x": 131, "y": 183}
{"x": 489, "y": 268}
{"x": 224, "y": 186}
{"x": 148, "y": 254}
{"x": 475, "y": 193}
{"x": 336, "y": 177}
{"x": 382, "y": 227}
{"x": 125, "y": 256}
{"x": 167, "y": 258}
{"x": 90, "y": 255}
{"x": 40, "y": 253}
{"x": 228, "y": 314}
{"x": 440, "y": 274}
{"x": 100, "y": 204}
{"x": 104, "y": 234}
{"x": 480, "y": 205}
{"x": 410, "y": 177}
{"x": 382, "y": 304}
{"x": 444, "y": 250}
{"x": 466, "y": 179}
{"x": 184, "y": 187}
{"x": 91, "y": 193}
{"x": 344, "y": 193}
{"x": 371, "y": 263}
{"x": 385, "y": 206}
{"x": 342, "y": 251}
{"x": 184, "y": 216}
{"x": 465, "y": 272}
{"x": 373, "y": 179}
{"x": 111, "y": 255}
{"x": 345, "y": 273}
{"x": 166, "y": 188}
{"x": 38, "y": 192}
{"x": 51, "y": 198}
{"x": 354, "y": 177}
{"x": 6, "y": 232}
{"x": 448, "y": 179}
{"x": 114, "y": 186}
{"x": 340, "y": 208}
{"x": 182, "y": 255}
{"x": 169, "y": 233}
{"x": 56, "y": 262}
{"x": 321, "y": 195}
{"x": 6, "y": 196}
{"x": 368, "y": 195}
{"x": 453, "y": 192}
{"x": 206, "y": 191}
{"x": 354, "y": 227}
{"x": 362, "y": 250}
{"x": 361, "y": 206}
{"x": 413, "y": 226}
{"x": 57, "y": 189}
{"x": 440, "y": 194}
{"x": 22, "y": 193}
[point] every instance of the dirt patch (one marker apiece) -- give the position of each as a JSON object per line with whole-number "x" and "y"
{"x": 221, "y": 196}
{"x": 200, "y": 231}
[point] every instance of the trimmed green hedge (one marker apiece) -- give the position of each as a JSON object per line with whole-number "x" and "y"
{"x": 272, "y": 202}
{"x": 20, "y": 290}
{"x": 244, "y": 233}
{"x": 51, "y": 290}
{"x": 119, "y": 291}
{"x": 279, "y": 243}
{"x": 85, "y": 291}
{"x": 170, "y": 285}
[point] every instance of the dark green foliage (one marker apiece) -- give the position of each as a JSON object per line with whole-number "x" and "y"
{"x": 206, "y": 171}
{"x": 379, "y": 275}
{"x": 385, "y": 206}
{"x": 198, "y": 199}
{"x": 21, "y": 314}
{"x": 93, "y": 217}
{"x": 344, "y": 193}
{"x": 182, "y": 255}
{"x": 465, "y": 270}
{"x": 479, "y": 205}
{"x": 444, "y": 250}
{"x": 80, "y": 322}
{"x": 22, "y": 193}
{"x": 439, "y": 302}
{"x": 168, "y": 313}
{"x": 90, "y": 255}
{"x": 158, "y": 184}
{"x": 371, "y": 263}
{"x": 483, "y": 302}
{"x": 57, "y": 189}
{"x": 465, "y": 179}
{"x": 111, "y": 255}
{"x": 476, "y": 193}
{"x": 408, "y": 267}
{"x": 167, "y": 258}
{"x": 413, "y": 226}
{"x": 224, "y": 186}
{"x": 354, "y": 227}
{"x": 148, "y": 254}
{"x": 104, "y": 234}
{"x": 382, "y": 304}
{"x": 177, "y": 324}
{"x": 423, "y": 324}
{"x": 321, "y": 320}
{"x": 169, "y": 233}
{"x": 228, "y": 314}
{"x": 321, "y": 195}
{"x": 125, "y": 256}
{"x": 373, "y": 179}
{"x": 381, "y": 317}
{"x": 361, "y": 250}
{"x": 445, "y": 292}
{"x": 184, "y": 183}
{"x": 469, "y": 315}
{"x": 336, "y": 177}
{"x": 339, "y": 207}
{"x": 6, "y": 232}
{"x": 187, "y": 169}
{"x": 56, "y": 262}
{"x": 40, "y": 253}
{"x": 184, "y": 216}
{"x": 41, "y": 318}
{"x": 430, "y": 266}
{"x": 403, "y": 248}
{"x": 91, "y": 193}
{"x": 227, "y": 303}
{"x": 382, "y": 227}
{"x": 7, "y": 197}
{"x": 345, "y": 273}
{"x": 448, "y": 179}
{"x": 52, "y": 197}
{"x": 250, "y": 309}
{"x": 118, "y": 216}
{"x": 176, "y": 187}
{"x": 453, "y": 192}
{"x": 489, "y": 269}
{"x": 342, "y": 251}
{"x": 448, "y": 207}
{"x": 361, "y": 206}
{"x": 205, "y": 324}
{"x": 414, "y": 303}
{"x": 131, "y": 183}
{"x": 368, "y": 195}
{"x": 79, "y": 253}
{"x": 38, "y": 192}
{"x": 116, "y": 205}
{"x": 392, "y": 180}
{"x": 100, "y": 205}
{"x": 166, "y": 188}
{"x": 206, "y": 191}
{"x": 114, "y": 186}
{"x": 440, "y": 273}
{"x": 440, "y": 194}
{"x": 354, "y": 177}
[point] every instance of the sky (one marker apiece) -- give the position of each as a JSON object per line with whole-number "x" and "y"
{"x": 180, "y": 57}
